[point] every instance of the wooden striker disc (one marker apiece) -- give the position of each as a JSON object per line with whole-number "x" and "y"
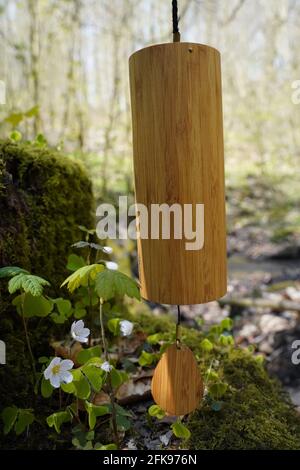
{"x": 177, "y": 386}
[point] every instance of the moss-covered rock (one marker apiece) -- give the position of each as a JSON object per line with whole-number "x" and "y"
{"x": 255, "y": 413}
{"x": 44, "y": 196}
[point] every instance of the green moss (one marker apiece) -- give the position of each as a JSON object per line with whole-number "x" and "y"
{"x": 256, "y": 414}
{"x": 44, "y": 196}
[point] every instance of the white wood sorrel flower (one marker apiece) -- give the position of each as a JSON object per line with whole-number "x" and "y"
{"x": 79, "y": 332}
{"x": 58, "y": 371}
{"x": 126, "y": 327}
{"x": 106, "y": 366}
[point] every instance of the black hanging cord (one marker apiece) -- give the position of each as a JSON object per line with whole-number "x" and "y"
{"x": 175, "y": 20}
{"x": 178, "y": 327}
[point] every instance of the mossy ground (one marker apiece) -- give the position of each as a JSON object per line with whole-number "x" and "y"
{"x": 256, "y": 413}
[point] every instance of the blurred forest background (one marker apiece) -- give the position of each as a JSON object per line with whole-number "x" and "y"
{"x": 65, "y": 67}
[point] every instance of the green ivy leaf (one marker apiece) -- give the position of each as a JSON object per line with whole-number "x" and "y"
{"x": 111, "y": 283}
{"x": 180, "y": 430}
{"x": 9, "y": 416}
{"x": 156, "y": 411}
{"x": 57, "y": 419}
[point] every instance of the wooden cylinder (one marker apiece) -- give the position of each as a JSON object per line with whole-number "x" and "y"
{"x": 179, "y": 158}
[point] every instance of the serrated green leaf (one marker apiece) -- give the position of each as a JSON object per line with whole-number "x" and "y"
{"x": 9, "y": 271}
{"x": 111, "y": 283}
{"x": 180, "y": 430}
{"x": 81, "y": 276}
{"x": 34, "y": 284}
{"x": 27, "y": 282}
{"x": 9, "y": 416}
{"x": 15, "y": 283}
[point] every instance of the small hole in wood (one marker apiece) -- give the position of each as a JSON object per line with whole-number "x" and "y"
{"x": 190, "y": 49}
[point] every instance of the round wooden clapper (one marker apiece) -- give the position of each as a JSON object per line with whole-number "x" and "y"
{"x": 177, "y": 385}
{"x": 178, "y": 159}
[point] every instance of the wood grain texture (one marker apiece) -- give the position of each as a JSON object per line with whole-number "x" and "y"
{"x": 178, "y": 158}
{"x": 177, "y": 385}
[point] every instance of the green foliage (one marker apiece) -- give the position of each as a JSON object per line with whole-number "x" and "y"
{"x": 114, "y": 325}
{"x": 17, "y": 419}
{"x": 86, "y": 354}
{"x": 82, "y": 275}
{"x": 28, "y": 283}
{"x": 147, "y": 359}
{"x": 206, "y": 345}
{"x": 180, "y": 430}
{"x": 253, "y": 414}
{"x": 95, "y": 411}
{"x": 111, "y": 283}
{"x": 57, "y": 419}
{"x": 41, "y": 208}
{"x": 156, "y": 411}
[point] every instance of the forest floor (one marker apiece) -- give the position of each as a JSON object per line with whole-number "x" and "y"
{"x": 266, "y": 275}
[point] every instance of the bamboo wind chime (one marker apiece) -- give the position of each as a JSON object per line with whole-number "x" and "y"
{"x": 178, "y": 159}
